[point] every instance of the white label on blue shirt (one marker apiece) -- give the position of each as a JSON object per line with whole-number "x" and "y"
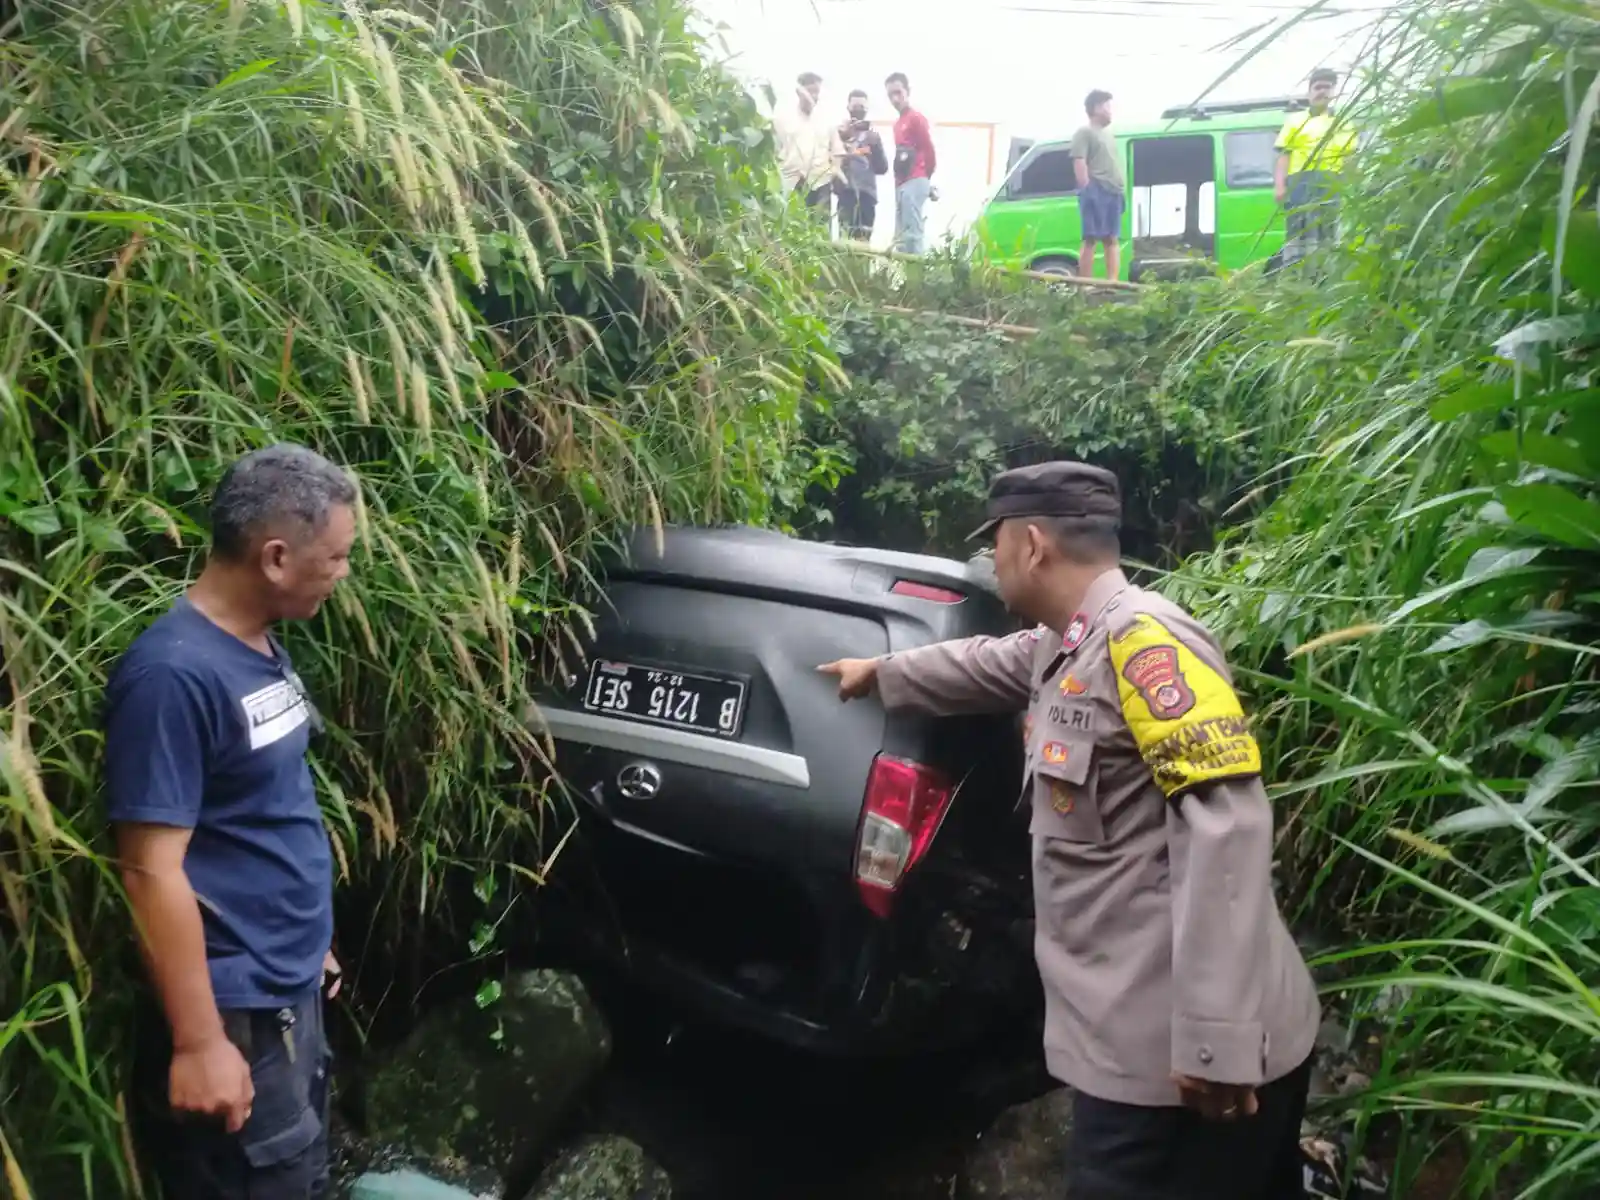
{"x": 273, "y": 713}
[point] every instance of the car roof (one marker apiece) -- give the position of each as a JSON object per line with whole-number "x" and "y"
{"x": 1203, "y": 118}
{"x": 749, "y": 555}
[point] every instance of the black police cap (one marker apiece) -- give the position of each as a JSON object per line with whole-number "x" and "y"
{"x": 1053, "y": 489}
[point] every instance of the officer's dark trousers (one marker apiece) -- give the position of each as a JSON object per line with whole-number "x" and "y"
{"x": 282, "y": 1151}
{"x": 1124, "y": 1152}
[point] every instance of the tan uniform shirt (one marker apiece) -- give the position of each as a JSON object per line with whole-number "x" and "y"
{"x": 1158, "y": 939}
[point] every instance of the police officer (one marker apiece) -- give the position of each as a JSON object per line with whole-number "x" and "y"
{"x": 1177, "y": 1005}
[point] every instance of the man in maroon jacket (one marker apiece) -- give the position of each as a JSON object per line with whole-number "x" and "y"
{"x": 914, "y": 161}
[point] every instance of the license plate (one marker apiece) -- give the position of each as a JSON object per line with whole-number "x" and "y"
{"x": 661, "y": 696}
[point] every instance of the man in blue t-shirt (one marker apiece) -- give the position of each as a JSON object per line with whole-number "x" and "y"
{"x": 222, "y": 848}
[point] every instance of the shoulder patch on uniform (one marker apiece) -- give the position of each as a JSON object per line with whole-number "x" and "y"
{"x": 1158, "y": 677}
{"x": 1185, "y": 717}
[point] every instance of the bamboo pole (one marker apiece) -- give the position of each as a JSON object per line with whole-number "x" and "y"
{"x": 976, "y": 323}
{"x": 970, "y": 322}
{"x": 1116, "y": 285}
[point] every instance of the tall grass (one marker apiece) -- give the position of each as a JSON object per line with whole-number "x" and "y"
{"x": 1418, "y": 589}
{"x": 508, "y": 261}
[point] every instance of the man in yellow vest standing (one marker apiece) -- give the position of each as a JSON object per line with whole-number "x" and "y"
{"x": 1313, "y": 148}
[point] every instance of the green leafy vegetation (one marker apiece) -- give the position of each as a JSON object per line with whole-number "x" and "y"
{"x": 959, "y": 371}
{"x": 512, "y": 262}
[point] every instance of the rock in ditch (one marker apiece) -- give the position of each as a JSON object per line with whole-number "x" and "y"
{"x": 602, "y": 1168}
{"x": 392, "y": 1173}
{"x": 407, "y": 1184}
{"x": 1023, "y": 1155}
{"x": 491, "y": 1085}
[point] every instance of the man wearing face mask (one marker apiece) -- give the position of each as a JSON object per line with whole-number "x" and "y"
{"x": 222, "y": 849}
{"x": 864, "y": 161}
{"x": 1177, "y": 1005}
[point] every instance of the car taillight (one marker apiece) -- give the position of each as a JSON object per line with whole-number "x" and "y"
{"x": 904, "y": 806}
{"x": 926, "y": 591}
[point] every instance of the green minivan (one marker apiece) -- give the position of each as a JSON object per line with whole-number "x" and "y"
{"x": 1199, "y": 188}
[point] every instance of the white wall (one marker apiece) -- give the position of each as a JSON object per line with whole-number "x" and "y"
{"x": 963, "y": 174}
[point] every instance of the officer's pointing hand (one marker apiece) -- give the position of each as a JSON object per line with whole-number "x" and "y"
{"x": 857, "y": 676}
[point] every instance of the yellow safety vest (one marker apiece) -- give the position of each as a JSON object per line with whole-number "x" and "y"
{"x": 1316, "y": 142}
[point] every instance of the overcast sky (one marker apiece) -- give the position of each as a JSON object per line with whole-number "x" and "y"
{"x": 1024, "y": 66}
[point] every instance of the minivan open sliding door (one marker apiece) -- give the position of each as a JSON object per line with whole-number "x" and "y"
{"x": 1174, "y": 202}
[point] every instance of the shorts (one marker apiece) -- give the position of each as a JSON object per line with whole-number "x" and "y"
{"x": 1101, "y": 210}
{"x": 282, "y": 1151}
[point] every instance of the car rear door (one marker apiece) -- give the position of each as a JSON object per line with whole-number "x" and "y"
{"x": 702, "y": 721}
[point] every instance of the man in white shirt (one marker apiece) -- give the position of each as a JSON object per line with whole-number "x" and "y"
{"x": 810, "y": 149}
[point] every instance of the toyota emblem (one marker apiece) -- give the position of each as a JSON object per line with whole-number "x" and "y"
{"x": 639, "y": 781}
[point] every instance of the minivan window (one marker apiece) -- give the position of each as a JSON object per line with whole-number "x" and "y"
{"x": 1250, "y": 156}
{"x": 1048, "y": 173}
{"x": 1163, "y": 211}
{"x": 1019, "y": 147}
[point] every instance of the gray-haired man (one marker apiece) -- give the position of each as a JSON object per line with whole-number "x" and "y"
{"x": 222, "y": 848}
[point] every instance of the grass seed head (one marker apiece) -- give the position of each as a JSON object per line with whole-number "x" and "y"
{"x": 357, "y": 114}
{"x": 358, "y": 390}
{"x": 421, "y": 400}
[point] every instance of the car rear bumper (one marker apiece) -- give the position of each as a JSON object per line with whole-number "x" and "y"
{"x": 796, "y": 960}
{"x": 723, "y": 1003}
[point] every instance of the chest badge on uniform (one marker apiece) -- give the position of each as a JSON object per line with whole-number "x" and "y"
{"x": 1154, "y": 672}
{"x": 1054, "y": 753}
{"x": 1061, "y": 797}
{"x": 1077, "y": 630}
{"x": 1071, "y": 685}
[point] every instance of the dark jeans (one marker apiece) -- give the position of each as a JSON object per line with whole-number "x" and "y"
{"x": 1312, "y": 216}
{"x": 282, "y": 1151}
{"x": 858, "y": 213}
{"x": 819, "y": 201}
{"x": 1125, "y": 1152}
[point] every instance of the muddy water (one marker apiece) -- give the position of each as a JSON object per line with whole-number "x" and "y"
{"x": 735, "y": 1118}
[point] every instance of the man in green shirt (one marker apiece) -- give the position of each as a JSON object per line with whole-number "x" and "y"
{"x": 1101, "y": 186}
{"x": 1313, "y": 148}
